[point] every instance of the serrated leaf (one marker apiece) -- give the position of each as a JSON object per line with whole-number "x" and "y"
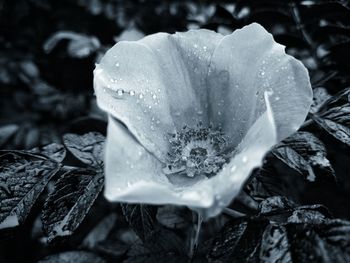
{"x": 334, "y": 116}
{"x": 88, "y": 148}
{"x": 307, "y": 155}
{"x": 23, "y": 176}
{"x": 73, "y": 257}
{"x": 307, "y": 235}
{"x": 54, "y": 151}
{"x": 141, "y": 218}
{"x": 161, "y": 246}
{"x": 70, "y": 201}
{"x": 237, "y": 241}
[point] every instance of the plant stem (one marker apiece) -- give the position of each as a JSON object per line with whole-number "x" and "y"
{"x": 194, "y": 241}
{"x": 232, "y": 213}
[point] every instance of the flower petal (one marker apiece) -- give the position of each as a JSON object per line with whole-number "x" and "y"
{"x": 245, "y": 65}
{"x": 157, "y": 85}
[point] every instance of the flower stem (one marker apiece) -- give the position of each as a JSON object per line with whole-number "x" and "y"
{"x": 194, "y": 240}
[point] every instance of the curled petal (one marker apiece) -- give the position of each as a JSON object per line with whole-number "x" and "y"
{"x": 157, "y": 85}
{"x": 246, "y": 64}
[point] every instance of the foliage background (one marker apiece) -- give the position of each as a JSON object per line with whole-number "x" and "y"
{"x": 294, "y": 209}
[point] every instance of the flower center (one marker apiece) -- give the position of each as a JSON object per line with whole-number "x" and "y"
{"x": 196, "y": 151}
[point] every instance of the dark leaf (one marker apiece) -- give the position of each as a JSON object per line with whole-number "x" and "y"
{"x": 237, "y": 241}
{"x": 327, "y": 242}
{"x": 70, "y": 201}
{"x": 161, "y": 246}
{"x": 307, "y": 155}
{"x": 141, "y": 218}
{"x": 275, "y": 203}
{"x": 306, "y": 235}
{"x": 73, "y": 257}
{"x": 334, "y": 116}
{"x": 265, "y": 182}
{"x": 274, "y": 245}
{"x": 23, "y": 176}
{"x": 88, "y": 148}
{"x": 54, "y": 151}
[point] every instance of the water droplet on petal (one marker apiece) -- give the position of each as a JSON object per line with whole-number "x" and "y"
{"x": 244, "y": 159}
{"x": 117, "y": 64}
{"x": 132, "y": 93}
{"x": 120, "y": 92}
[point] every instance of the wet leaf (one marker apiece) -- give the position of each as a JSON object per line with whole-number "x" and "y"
{"x": 88, "y": 148}
{"x": 334, "y": 116}
{"x": 141, "y": 218}
{"x": 306, "y": 235}
{"x": 73, "y": 257}
{"x": 307, "y": 155}
{"x": 54, "y": 151}
{"x": 70, "y": 201}
{"x": 23, "y": 176}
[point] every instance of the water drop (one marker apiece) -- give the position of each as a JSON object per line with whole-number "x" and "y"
{"x": 132, "y": 93}
{"x": 141, "y": 96}
{"x": 120, "y": 92}
{"x": 154, "y": 96}
{"x": 244, "y": 159}
{"x": 233, "y": 168}
{"x": 117, "y": 64}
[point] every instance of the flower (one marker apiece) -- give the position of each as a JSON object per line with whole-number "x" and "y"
{"x": 192, "y": 114}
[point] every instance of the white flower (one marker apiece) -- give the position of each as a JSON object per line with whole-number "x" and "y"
{"x": 192, "y": 114}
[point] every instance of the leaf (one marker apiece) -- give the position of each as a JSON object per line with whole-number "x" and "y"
{"x": 307, "y": 155}
{"x": 79, "y": 46}
{"x": 275, "y": 203}
{"x": 306, "y": 235}
{"x": 237, "y": 241}
{"x": 73, "y": 257}
{"x": 88, "y": 148}
{"x": 140, "y": 217}
{"x": 265, "y": 182}
{"x": 334, "y": 116}
{"x": 70, "y": 201}
{"x": 54, "y": 151}
{"x": 161, "y": 246}
{"x": 23, "y": 176}
{"x": 275, "y": 246}
{"x": 173, "y": 216}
